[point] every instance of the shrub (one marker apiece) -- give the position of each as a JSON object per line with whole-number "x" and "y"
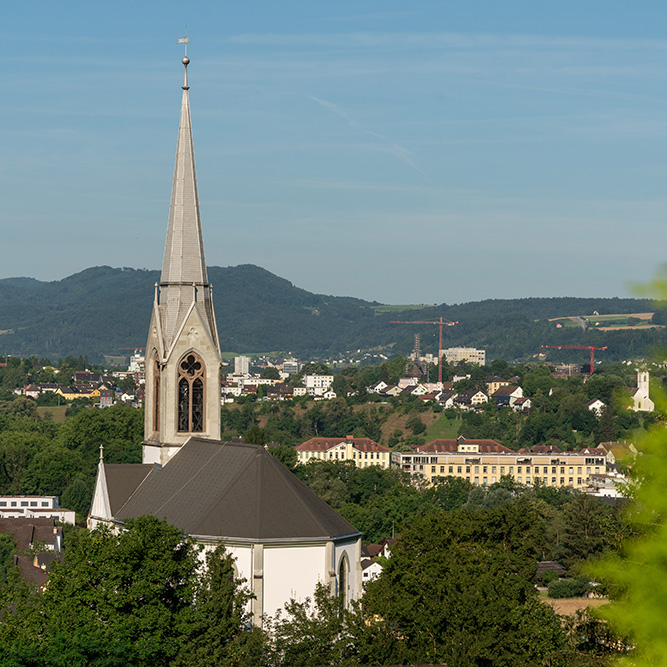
{"x": 568, "y": 588}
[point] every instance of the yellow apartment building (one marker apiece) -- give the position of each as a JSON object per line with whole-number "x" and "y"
{"x": 484, "y": 462}
{"x": 363, "y": 451}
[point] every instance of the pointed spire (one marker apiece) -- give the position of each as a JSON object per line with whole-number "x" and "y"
{"x": 184, "y": 280}
{"x": 184, "y": 260}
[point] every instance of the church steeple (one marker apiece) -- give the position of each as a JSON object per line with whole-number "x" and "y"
{"x": 183, "y": 265}
{"x": 182, "y": 355}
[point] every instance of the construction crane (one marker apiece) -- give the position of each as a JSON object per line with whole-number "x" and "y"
{"x": 592, "y": 348}
{"x": 442, "y": 323}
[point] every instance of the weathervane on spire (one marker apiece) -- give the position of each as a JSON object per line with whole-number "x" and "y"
{"x": 186, "y": 60}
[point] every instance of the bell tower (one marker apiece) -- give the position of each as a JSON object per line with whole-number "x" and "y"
{"x": 183, "y": 359}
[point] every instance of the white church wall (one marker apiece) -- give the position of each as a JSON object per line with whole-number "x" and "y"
{"x": 291, "y": 572}
{"x": 352, "y": 551}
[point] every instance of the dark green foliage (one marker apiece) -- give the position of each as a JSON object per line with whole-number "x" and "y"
{"x": 312, "y": 632}
{"x": 445, "y": 597}
{"x": 270, "y": 373}
{"x": 135, "y": 598}
{"x": 286, "y": 454}
{"x": 590, "y": 526}
{"x": 568, "y": 588}
{"x": 101, "y": 309}
{"x": 39, "y": 457}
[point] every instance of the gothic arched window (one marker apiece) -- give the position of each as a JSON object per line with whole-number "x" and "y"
{"x": 343, "y": 581}
{"x": 156, "y": 395}
{"x": 191, "y": 375}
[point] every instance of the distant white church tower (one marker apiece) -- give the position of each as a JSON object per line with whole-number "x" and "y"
{"x": 640, "y": 396}
{"x": 183, "y": 358}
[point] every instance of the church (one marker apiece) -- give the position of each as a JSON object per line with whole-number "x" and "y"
{"x": 284, "y": 538}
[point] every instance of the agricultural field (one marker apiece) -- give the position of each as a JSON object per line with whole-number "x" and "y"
{"x": 612, "y": 322}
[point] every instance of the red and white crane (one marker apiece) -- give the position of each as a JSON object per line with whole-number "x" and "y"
{"x": 442, "y": 323}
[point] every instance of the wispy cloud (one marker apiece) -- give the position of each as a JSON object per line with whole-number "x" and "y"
{"x": 387, "y": 145}
{"x": 440, "y": 40}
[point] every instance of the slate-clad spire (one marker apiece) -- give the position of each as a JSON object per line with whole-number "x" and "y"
{"x": 184, "y": 250}
{"x": 184, "y": 279}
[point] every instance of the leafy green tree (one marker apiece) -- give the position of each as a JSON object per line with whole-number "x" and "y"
{"x": 137, "y": 597}
{"x": 220, "y": 619}
{"x": 312, "y": 632}
{"x": 589, "y": 527}
{"x": 270, "y": 373}
{"x": 444, "y": 598}
{"x": 255, "y": 435}
{"x": 286, "y": 454}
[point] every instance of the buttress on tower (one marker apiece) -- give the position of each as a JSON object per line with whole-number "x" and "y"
{"x": 183, "y": 360}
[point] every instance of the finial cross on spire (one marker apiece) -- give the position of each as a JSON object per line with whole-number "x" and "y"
{"x": 186, "y": 61}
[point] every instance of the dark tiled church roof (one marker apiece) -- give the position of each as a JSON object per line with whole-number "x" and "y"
{"x": 224, "y": 489}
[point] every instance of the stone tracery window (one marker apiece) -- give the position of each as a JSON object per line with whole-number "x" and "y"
{"x": 191, "y": 376}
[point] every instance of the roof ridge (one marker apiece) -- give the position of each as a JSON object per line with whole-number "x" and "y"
{"x": 299, "y": 497}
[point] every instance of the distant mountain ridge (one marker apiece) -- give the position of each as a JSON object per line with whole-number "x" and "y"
{"x": 101, "y": 309}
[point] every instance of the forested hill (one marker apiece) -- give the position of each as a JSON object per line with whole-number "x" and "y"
{"x": 99, "y": 310}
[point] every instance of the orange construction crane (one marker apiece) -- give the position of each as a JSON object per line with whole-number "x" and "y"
{"x": 442, "y": 323}
{"x": 578, "y": 347}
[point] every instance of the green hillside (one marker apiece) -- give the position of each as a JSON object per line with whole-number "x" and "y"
{"x": 101, "y": 309}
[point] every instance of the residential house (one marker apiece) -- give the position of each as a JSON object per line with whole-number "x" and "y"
{"x": 377, "y": 387}
{"x": 363, "y": 452}
{"x": 521, "y": 404}
{"x": 493, "y": 383}
{"x": 507, "y": 395}
{"x": 596, "y": 406}
{"x": 470, "y": 399}
{"x": 106, "y": 397}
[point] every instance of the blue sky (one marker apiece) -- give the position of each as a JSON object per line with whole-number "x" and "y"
{"x": 422, "y": 152}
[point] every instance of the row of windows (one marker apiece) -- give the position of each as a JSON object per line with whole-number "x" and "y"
{"x": 24, "y": 503}
{"x": 545, "y": 470}
{"x": 529, "y": 480}
{"x": 334, "y": 455}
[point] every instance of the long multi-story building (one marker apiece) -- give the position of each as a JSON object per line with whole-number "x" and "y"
{"x": 484, "y": 462}
{"x": 363, "y": 451}
{"x": 470, "y": 354}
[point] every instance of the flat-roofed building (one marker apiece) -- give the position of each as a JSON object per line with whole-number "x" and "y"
{"x": 484, "y": 462}
{"x": 470, "y": 354}
{"x": 363, "y": 452}
{"x": 35, "y": 507}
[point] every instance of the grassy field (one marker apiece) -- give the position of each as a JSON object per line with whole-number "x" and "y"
{"x": 57, "y": 412}
{"x": 611, "y": 320}
{"x": 442, "y": 428}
